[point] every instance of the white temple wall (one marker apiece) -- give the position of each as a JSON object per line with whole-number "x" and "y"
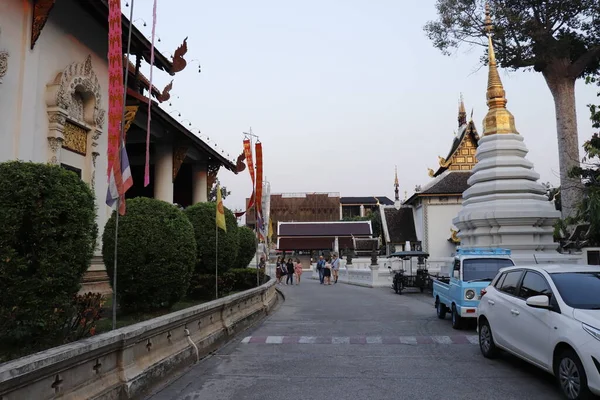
{"x": 69, "y": 36}
{"x": 439, "y": 219}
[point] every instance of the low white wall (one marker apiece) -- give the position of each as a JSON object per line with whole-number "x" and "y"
{"x": 127, "y": 362}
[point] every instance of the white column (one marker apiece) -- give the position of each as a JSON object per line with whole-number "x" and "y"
{"x": 163, "y": 173}
{"x": 199, "y": 184}
{"x": 362, "y": 210}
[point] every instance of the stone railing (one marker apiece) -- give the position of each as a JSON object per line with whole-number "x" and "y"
{"x": 362, "y": 273}
{"x": 128, "y": 362}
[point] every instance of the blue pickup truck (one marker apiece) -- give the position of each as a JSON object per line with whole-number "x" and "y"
{"x": 473, "y": 270}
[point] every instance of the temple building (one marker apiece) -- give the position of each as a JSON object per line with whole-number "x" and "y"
{"x": 54, "y": 102}
{"x": 360, "y": 207}
{"x": 306, "y": 239}
{"x": 435, "y": 204}
{"x": 505, "y": 205}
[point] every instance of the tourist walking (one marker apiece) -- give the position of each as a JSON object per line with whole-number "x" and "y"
{"x": 290, "y": 272}
{"x": 279, "y": 270}
{"x": 298, "y": 271}
{"x": 335, "y": 267}
{"x": 327, "y": 273}
{"x": 321, "y": 268}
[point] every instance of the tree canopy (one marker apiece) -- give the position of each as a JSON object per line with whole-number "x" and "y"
{"x": 527, "y": 33}
{"x": 560, "y": 39}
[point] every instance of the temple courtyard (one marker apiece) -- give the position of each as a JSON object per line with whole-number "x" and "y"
{"x": 350, "y": 342}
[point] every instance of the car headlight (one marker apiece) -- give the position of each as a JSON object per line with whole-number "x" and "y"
{"x": 592, "y": 331}
{"x": 470, "y": 294}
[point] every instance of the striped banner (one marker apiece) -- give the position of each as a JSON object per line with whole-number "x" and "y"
{"x": 259, "y": 185}
{"x": 250, "y": 164}
{"x": 115, "y": 102}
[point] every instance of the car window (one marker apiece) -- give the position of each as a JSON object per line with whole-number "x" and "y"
{"x": 511, "y": 281}
{"x": 533, "y": 284}
{"x": 483, "y": 269}
{"x": 579, "y": 289}
{"x": 500, "y": 280}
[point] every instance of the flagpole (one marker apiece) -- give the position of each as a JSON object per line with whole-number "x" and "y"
{"x": 217, "y": 256}
{"x": 121, "y": 143}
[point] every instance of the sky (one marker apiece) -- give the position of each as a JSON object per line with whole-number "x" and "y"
{"x": 339, "y": 91}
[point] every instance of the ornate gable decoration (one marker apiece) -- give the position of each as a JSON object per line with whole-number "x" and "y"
{"x": 462, "y": 157}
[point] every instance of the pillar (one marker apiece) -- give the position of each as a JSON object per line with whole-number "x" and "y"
{"x": 362, "y": 210}
{"x": 199, "y": 184}
{"x": 163, "y": 173}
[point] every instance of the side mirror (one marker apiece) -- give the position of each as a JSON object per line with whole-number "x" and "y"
{"x": 541, "y": 301}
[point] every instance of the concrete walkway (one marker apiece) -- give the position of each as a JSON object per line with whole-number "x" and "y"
{"x": 349, "y": 342}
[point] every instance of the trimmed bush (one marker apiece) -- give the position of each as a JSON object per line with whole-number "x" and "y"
{"x": 47, "y": 239}
{"x": 203, "y": 218}
{"x": 202, "y": 286}
{"x": 247, "y": 247}
{"x": 156, "y": 254}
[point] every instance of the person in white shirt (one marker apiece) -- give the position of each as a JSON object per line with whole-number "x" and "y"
{"x": 335, "y": 267}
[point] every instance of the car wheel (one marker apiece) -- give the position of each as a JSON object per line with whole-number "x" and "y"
{"x": 396, "y": 287}
{"x": 571, "y": 376}
{"x": 440, "y": 308}
{"x": 486, "y": 341}
{"x": 456, "y": 319}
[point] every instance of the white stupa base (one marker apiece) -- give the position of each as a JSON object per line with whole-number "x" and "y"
{"x": 521, "y": 257}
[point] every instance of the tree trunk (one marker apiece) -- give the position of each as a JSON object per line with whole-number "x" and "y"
{"x": 562, "y": 88}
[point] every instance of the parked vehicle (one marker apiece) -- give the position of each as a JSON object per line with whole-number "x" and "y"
{"x": 473, "y": 270}
{"x": 548, "y": 315}
{"x": 403, "y": 279}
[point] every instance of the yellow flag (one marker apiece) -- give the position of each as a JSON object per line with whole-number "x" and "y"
{"x": 220, "y": 210}
{"x": 270, "y": 234}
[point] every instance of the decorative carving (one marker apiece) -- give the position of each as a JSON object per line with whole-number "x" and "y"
{"x": 41, "y": 12}
{"x": 93, "y": 179}
{"x": 78, "y": 78}
{"x": 179, "y": 62}
{"x": 3, "y": 63}
{"x": 130, "y": 112}
{"x": 454, "y": 236}
{"x": 95, "y": 138}
{"x": 165, "y": 95}
{"x": 75, "y": 138}
{"x": 179, "y": 154}
{"x": 57, "y": 118}
{"x": 241, "y": 165}
{"x": 55, "y": 145}
{"x": 430, "y": 172}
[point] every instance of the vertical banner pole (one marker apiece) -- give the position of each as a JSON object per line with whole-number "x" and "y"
{"x": 121, "y": 143}
{"x": 217, "y": 257}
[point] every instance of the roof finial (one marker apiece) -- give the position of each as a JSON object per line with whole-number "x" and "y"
{"x": 462, "y": 114}
{"x": 396, "y": 185}
{"x": 498, "y": 118}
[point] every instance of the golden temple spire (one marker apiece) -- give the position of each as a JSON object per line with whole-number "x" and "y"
{"x": 498, "y": 118}
{"x": 462, "y": 113}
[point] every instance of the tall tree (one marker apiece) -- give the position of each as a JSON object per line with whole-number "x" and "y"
{"x": 559, "y": 38}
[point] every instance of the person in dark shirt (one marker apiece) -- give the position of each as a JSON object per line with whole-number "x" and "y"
{"x": 290, "y": 272}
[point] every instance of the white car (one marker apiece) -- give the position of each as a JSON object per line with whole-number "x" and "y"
{"x": 548, "y": 315}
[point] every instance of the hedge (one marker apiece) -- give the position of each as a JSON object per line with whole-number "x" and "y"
{"x": 47, "y": 239}
{"x": 202, "y": 286}
{"x": 203, "y": 218}
{"x": 156, "y": 254}
{"x": 247, "y": 247}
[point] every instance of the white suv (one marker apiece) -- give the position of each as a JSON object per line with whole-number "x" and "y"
{"x": 548, "y": 315}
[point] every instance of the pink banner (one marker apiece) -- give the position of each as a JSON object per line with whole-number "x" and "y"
{"x": 147, "y": 166}
{"x": 115, "y": 92}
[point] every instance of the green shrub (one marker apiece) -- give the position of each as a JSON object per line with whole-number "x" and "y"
{"x": 156, "y": 254}
{"x": 247, "y": 247}
{"x": 202, "y": 286}
{"x": 203, "y": 218}
{"x": 47, "y": 239}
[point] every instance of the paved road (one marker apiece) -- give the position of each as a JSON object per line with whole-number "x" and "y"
{"x": 348, "y": 342}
